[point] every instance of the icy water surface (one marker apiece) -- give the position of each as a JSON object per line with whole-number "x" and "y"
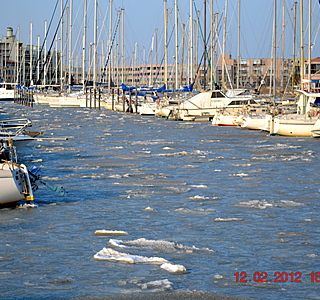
{"x": 161, "y": 206}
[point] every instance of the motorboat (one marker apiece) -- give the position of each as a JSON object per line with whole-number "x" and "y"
{"x": 6, "y": 91}
{"x": 205, "y": 105}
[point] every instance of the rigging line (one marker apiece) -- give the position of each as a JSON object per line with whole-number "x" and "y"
{"x": 55, "y": 34}
{"x": 46, "y": 36}
{"x": 109, "y": 53}
{"x": 203, "y": 39}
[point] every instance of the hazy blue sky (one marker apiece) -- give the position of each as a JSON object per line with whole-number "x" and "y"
{"x": 143, "y": 17}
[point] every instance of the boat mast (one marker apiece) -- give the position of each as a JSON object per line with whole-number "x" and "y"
{"x": 70, "y": 46}
{"x": 275, "y": 49}
{"x": 301, "y": 45}
{"x": 239, "y": 55}
{"x": 151, "y": 61}
{"x": 224, "y": 42}
{"x": 95, "y": 45}
{"x": 283, "y": 43}
{"x": 61, "y": 44}
{"x": 177, "y": 45}
{"x": 212, "y": 43}
{"x": 17, "y": 56}
{"x": 309, "y": 50}
{"x": 31, "y": 54}
{"x": 45, "y": 67}
{"x": 294, "y": 44}
{"x": 56, "y": 60}
{"x": 38, "y": 60}
{"x": 110, "y": 45}
{"x": 191, "y": 42}
{"x": 123, "y": 56}
{"x": 205, "y": 44}
{"x": 165, "y": 75}
{"x": 84, "y": 44}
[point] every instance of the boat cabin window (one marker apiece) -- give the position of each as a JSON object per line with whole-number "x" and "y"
{"x": 217, "y": 95}
{"x": 317, "y": 101}
{"x": 236, "y": 103}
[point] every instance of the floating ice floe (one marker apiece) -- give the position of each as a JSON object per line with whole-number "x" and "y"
{"x": 159, "y": 245}
{"x": 110, "y": 232}
{"x": 159, "y": 285}
{"x": 175, "y": 269}
{"x": 113, "y": 255}
{"x": 149, "y": 209}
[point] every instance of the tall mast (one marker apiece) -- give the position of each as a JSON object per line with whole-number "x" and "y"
{"x": 31, "y": 55}
{"x": 191, "y": 41}
{"x": 301, "y": 45}
{"x": 205, "y": 43}
{"x": 239, "y": 55}
{"x": 212, "y": 43}
{"x": 38, "y": 59}
{"x": 17, "y": 56}
{"x": 309, "y": 49}
{"x": 110, "y": 44}
{"x": 283, "y": 42}
{"x": 70, "y": 45}
{"x": 294, "y": 44}
{"x": 84, "y": 43}
{"x": 177, "y": 45}
{"x": 123, "y": 56}
{"x": 151, "y": 61}
{"x": 165, "y": 75}
{"x": 275, "y": 48}
{"x": 224, "y": 41}
{"x": 95, "y": 45}
{"x": 61, "y": 44}
{"x": 56, "y": 60}
{"x": 45, "y": 67}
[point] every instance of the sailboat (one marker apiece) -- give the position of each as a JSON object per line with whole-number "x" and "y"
{"x": 15, "y": 183}
{"x": 302, "y": 123}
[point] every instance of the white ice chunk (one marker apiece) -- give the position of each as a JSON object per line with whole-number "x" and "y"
{"x": 176, "y": 269}
{"x": 112, "y": 255}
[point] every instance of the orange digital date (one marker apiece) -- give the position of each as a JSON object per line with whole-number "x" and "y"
{"x": 275, "y": 277}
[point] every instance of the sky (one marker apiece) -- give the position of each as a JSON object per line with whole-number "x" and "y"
{"x": 142, "y": 18}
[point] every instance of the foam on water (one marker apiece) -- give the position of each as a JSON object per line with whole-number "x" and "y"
{"x": 263, "y": 204}
{"x": 200, "y": 186}
{"x": 194, "y": 211}
{"x": 227, "y": 219}
{"x": 110, "y": 232}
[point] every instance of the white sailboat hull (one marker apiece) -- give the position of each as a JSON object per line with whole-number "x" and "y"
{"x": 293, "y": 127}
{"x": 14, "y": 183}
{"x": 225, "y": 120}
{"x": 254, "y": 123}
{"x": 316, "y": 129}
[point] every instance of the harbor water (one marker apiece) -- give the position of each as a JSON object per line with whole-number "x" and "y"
{"x": 236, "y": 210}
